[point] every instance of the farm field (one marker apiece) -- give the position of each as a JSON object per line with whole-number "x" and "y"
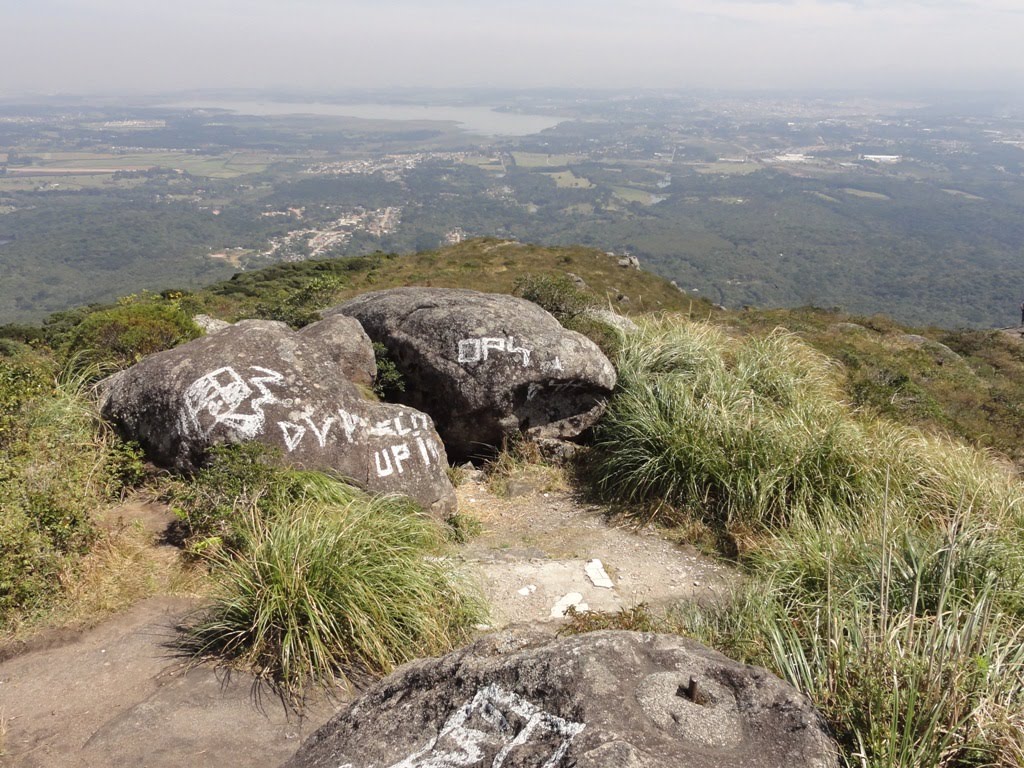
{"x": 225, "y": 166}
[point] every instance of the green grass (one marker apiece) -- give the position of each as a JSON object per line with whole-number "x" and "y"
{"x": 632, "y": 195}
{"x": 224, "y": 166}
{"x": 484, "y": 264}
{"x": 966, "y": 383}
{"x": 729, "y": 169}
{"x": 317, "y": 581}
{"x": 58, "y": 463}
{"x": 908, "y": 641}
{"x": 884, "y": 565}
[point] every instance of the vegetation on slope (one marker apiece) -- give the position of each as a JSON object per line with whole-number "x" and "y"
{"x": 58, "y": 464}
{"x": 968, "y": 383}
{"x": 885, "y": 565}
{"x": 483, "y": 264}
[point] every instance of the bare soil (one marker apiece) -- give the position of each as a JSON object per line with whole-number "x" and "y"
{"x": 535, "y": 546}
{"x": 118, "y": 694}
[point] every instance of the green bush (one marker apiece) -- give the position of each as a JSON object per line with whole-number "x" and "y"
{"x": 389, "y": 381}
{"x": 558, "y": 295}
{"x": 238, "y": 481}
{"x": 121, "y": 336}
{"x": 300, "y": 306}
{"x": 332, "y": 581}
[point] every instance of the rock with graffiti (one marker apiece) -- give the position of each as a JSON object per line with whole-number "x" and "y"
{"x": 259, "y": 380}
{"x": 486, "y": 366}
{"x": 522, "y": 699}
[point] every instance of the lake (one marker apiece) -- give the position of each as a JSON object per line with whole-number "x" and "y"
{"x": 483, "y": 120}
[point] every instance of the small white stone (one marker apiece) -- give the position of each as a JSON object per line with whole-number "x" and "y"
{"x": 573, "y": 599}
{"x": 529, "y": 589}
{"x": 696, "y": 583}
{"x": 597, "y": 574}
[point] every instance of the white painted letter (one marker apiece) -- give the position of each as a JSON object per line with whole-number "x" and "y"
{"x": 514, "y": 350}
{"x": 401, "y": 453}
{"x": 498, "y": 345}
{"x": 469, "y": 351}
{"x": 293, "y": 434}
{"x": 381, "y": 470}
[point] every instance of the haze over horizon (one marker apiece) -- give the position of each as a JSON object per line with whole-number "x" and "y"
{"x": 90, "y": 46}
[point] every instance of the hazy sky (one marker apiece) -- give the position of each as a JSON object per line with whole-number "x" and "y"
{"x": 150, "y": 45}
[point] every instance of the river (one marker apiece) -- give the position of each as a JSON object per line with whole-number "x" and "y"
{"x": 483, "y": 120}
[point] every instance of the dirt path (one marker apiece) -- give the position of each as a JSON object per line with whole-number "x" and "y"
{"x": 116, "y": 695}
{"x": 536, "y": 546}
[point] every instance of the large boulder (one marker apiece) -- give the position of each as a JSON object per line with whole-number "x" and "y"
{"x": 486, "y": 366}
{"x": 259, "y": 380}
{"x": 608, "y": 699}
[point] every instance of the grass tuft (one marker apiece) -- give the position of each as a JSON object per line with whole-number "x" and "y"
{"x": 332, "y": 582}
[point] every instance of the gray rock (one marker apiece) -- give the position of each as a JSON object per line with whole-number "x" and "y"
{"x": 259, "y": 380}
{"x": 486, "y": 366}
{"x": 937, "y": 349}
{"x": 557, "y": 452}
{"x": 619, "y": 322}
{"x": 344, "y": 339}
{"x": 210, "y": 324}
{"x": 578, "y": 281}
{"x": 601, "y": 700}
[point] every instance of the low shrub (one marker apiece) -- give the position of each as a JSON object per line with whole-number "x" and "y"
{"x": 237, "y": 481}
{"x": 559, "y": 295}
{"x": 118, "y": 337}
{"x": 389, "y": 382}
{"x": 300, "y": 306}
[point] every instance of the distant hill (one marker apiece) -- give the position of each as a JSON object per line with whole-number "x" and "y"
{"x": 969, "y": 383}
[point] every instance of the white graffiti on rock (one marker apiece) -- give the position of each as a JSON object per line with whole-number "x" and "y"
{"x": 388, "y": 460}
{"x": 480, "y": 349}
{"x": 225, "y": 397}
{"x": 495, "y": 717}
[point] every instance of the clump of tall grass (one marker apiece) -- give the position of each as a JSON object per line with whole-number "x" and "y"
{"x": 911, "y": 643}
{"x": 753, "y": 434}
{"x": 885, "y": 569}
{"x": 321, "y": 580}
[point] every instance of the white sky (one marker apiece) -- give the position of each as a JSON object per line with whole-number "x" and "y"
{"x": 153, "y": 45}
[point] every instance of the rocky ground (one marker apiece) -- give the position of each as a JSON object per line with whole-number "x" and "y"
{"x": 118, "y": 695}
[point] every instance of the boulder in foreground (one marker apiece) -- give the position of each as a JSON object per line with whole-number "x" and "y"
{"x": 259, "y": 380}
{"x": 486, "y": 366}
{"x": 600, "y": 700}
